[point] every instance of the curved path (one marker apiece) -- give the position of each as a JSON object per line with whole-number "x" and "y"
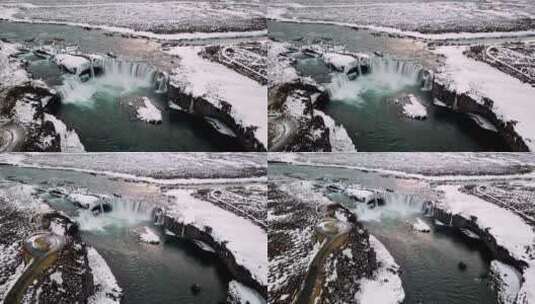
{"x": 11, "y": 137}
{"x": 284, "y": 130}
{"x": 43, "y": 247}
{"x": 335, "y": 233}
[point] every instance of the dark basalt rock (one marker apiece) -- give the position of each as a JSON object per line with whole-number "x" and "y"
{"x": 101, "y": 208}
{"x": 195, "y": 288}
{"x": 193, "y": 233}
{"x": 465, "y": 104}
{"x": 459, "y": 222}
{"x": 200, "y": 107}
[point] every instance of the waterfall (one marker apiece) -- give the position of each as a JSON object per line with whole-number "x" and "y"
{"x": 385, "y": 75}
{"x": 428, "y": 208}
{"x": 161, "y": 83}
{"x": 159, "y": 216}
{"x": 123, "y": 213}
{"x": 390, "y": 66}
{"x": 92, "y": 67}
{"x": 396, "y": 205}
{"x": 132, "y": 70}
{"x": 118, "y": 74}
{"x": 427, "y": 80}
{"x": 191, "y": 106}
{"x": 183, "y": 228}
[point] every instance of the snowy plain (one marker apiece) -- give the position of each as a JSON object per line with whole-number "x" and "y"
{"x": 418, "y": 19}
{"x": 153, "y": 19}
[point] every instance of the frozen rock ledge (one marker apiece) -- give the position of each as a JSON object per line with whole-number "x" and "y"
{"x": 206, "y": 88}
{"x": 148, "y": 112}
{"x": 149, "y": 236}
{"x": 385, "y": 287}
{"x": 107, "y": 291}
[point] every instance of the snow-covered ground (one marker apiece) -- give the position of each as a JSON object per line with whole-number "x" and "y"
{"x": 84, "y": 200}
{"x": 385, "y": 286}
{"x": 508, "y": 229}
{"x": 338, "y": 137}
{"x": 507, "y": 281}
{"x": 241, "y": 294}
{"x": 73, "y": 64}
{"x": 216, "y": 83}
{"x": 513, "y": 99}
{"x": 11, "y": 71}
{"x": 188, "y": 168}
{"x": 153, "y": 18}
{"x": 279, "y": 69}
{"x": 69, "y": 140}
{"x": 359, "y": 194}
{"x": 246, "y": 241}
{"x": 107, "y": 291}
{"x": 417, "y": 18}
{"x": 430, "y": 166}
{"x": 340, "y": 62}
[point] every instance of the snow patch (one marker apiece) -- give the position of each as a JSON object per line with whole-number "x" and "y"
{"x": 414, "y": 108}
{"x": 12, "y": 72}
{"x": 149, "y": 236}
{"x": 56, "y": 277}
{"x": 338, "y": 137}
{"x": 507, "y": 281}
{"x": 72, "y": 63}
{"x": 84, "y": 200}
{"x": 385, "y": 286}
{"x": 279, "y": 67}
{"x": 69, "y": 140}
{"x": 107, "y": 291}
{"x": 340, "y": 62}
{"x": 242, "y": 294}
{"x": 148, "y": 112}
{"x": 202, "y": 245}
{"x": 421, "y": 226}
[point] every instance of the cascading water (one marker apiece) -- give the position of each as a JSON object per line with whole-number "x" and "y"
{"x": 92, "y": 67}
{"x": 427, "y": 78}
{"x": 396, "y": 205}
{"x": 123, "y": 213}
{"x": 159, "y": 216}
{"x": 117, "y": 77}
{"x": 428, "y": 208}
{"x": 385, "y": 76}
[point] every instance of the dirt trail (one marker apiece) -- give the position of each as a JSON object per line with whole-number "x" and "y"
{"x": 313, "y": 278}
{"x": 41, "y": 259}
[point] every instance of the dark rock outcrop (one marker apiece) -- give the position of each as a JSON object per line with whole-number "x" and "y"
{"x": 463, "y": 103}
{"x": 192, "y": 232}
{"x": 200, "y": 107}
